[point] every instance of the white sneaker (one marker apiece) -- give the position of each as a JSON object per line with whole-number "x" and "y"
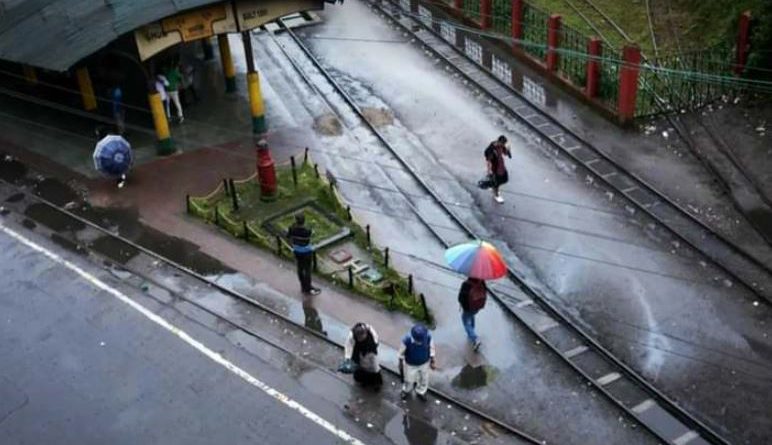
{"x": 498, "y": 199}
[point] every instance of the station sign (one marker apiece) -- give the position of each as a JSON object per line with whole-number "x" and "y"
{"x": 256, "y": 13}
{"x": 208, "y": 21}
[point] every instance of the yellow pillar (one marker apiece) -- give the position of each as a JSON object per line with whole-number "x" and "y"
{"x": 256, "y": 103}
{"x": 227, "y": 63}
{"x": 86, "y": 90}
{"x": 165, "y": 143}
{"x": 30, "y": 75}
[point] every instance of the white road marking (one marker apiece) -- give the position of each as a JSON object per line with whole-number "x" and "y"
{"x": 214, "y": 356}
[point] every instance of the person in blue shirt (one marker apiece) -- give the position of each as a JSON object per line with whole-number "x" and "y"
{"x": 119, "y": 112}
{"x": 416, "y": 358}
{"x": 300, "y": 238}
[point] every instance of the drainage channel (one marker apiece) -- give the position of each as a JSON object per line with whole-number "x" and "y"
{"x": 629, "y": 391}
{"x": 732, "y": 259}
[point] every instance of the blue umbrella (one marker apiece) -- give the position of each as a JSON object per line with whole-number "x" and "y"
{"x": 112, "y": 156}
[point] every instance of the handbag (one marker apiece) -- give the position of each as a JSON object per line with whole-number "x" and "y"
{"x": 347, "y": 367}
{"x": 487, "y": 182}
{"x": 369, "y": 363}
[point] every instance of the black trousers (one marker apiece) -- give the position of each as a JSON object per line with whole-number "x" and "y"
{"x": 305, "y": 266}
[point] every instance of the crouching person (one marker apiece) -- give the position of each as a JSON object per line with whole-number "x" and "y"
{"x": 361, "y": 351}
{"x": 416, "y": 358}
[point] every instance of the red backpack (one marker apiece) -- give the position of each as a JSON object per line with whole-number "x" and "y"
{"x": 478, "y": 294}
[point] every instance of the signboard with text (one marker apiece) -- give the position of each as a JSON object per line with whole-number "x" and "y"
{"x": 256, "y": 13}
{"x": 215, "y": 19}
{"x": 184, "y": 27}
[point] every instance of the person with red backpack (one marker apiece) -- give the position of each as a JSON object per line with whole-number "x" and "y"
{"x": 472, "y": 297}
{"x": 497, "y": 170}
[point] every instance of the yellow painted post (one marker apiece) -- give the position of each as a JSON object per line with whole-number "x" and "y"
{"x": 256, "y": 103}
{"x": 86, "y": 89}
{"x": 257, "y": 108}
{"x": 30, "y": 75}
{"x": 165, "y": 143}
{"x": 227, "y": 63}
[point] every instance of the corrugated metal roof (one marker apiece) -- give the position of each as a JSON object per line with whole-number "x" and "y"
{"x": 56, "y": 34}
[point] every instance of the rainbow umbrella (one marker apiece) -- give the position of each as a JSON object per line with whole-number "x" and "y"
{"x": 477, "y": 259}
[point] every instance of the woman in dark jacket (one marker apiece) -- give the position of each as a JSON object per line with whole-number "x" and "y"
{"x": 362, "y": 349}
{"x": 471, "y": 298}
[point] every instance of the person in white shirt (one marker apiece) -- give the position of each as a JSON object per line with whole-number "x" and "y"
{"x": 160, "y": 86}
{"x": 361, "y": 349}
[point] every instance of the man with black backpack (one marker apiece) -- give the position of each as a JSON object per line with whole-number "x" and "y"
{"x": 472, "y": 297}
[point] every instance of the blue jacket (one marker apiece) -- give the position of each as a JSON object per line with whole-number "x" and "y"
{"x": 415, "y": 354}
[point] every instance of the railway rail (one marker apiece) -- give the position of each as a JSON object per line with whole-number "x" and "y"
{"x": 710, "y": 129}
{"x": 734, "y": 260}
{"x": 635, "y": 396}
{"x": 518, "y": 435}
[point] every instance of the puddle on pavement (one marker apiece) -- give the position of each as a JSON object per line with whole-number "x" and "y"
{"x": 111, "y": 219}
{"x": 473, "y": 377}
{"x": 115, "y": 249}
{"x": 67, "y": 244}
{"x": 29, "y": 224}
{"x": 378, "y": 117}
{"x": 56, "y": 191}
{"x": 328, "y": 125}
{"x": 12, "y": 171}
{"x": 126, "y": 222}
{"x": 15, "y": 197}
{"x": 405, "y": 429}
{"x": 52, "y": 218}
{"x": 182, "y": 252}
{"x": 312, "y": 320}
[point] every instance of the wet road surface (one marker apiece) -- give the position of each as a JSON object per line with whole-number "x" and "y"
{"x": 82, "y": 367}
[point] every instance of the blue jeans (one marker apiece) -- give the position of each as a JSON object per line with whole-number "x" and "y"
{"x": 468, "y": 319}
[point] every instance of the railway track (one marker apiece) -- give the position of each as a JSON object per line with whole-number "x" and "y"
{"x": 516, "y": 435}
{"x": 735, "y": 261}
{"x": 710, "y": 129}
{"x": 635, "y": 396}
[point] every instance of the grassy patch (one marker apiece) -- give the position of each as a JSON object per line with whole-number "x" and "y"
{"x": 690, "y": 24}
{"x": 248, "y": 222}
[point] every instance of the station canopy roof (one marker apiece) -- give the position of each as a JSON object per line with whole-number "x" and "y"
{"x": 56, "y": 34}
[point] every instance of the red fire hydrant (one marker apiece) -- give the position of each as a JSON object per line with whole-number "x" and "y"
{"x": 266, "y": 173}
